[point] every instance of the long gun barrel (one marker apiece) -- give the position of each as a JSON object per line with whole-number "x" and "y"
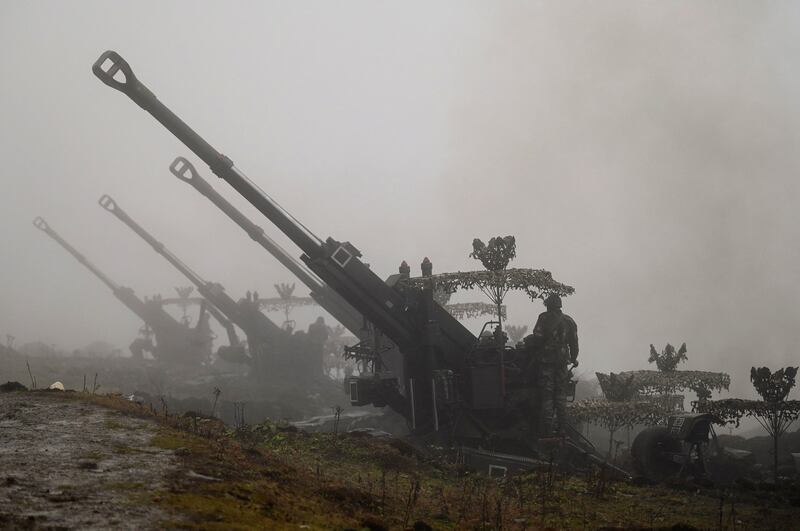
{"x": 125, "y": 295}
{"x": 262, "y": 327}
{"x": 42, "y": 225}
{"x": 331, "y": 301}
{"x": 336, "y": 263}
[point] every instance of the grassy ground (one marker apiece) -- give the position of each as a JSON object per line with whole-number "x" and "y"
{"x": 273, "y": 476}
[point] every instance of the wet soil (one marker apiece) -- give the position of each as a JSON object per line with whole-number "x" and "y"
{"x": 66, "y": 463}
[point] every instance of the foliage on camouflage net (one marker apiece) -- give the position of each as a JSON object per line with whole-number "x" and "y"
{"x": 185, "y": 291}
{"x": 613, "y": 415}
{"x": 284, "y": 290}
{"x": 773, "y": 387}
{"x": 470, "y": 310}
{"x": 669, "y": 358}
{"x": 282, "y": 304}
{"x": 617, "y": 387}
{"x": 497, "y": 254}
{"x": 732, "y": 410}
{"x": 659, "y": 382}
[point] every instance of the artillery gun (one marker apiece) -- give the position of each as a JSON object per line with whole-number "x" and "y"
{"x": 273, "y": 350}
{"x": 457, "y": 390}
{"x": 175, "y": 341}
{"x": 328, "y": 299}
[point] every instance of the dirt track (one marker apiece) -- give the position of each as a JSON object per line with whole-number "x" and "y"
{"x": 67, "y": 464}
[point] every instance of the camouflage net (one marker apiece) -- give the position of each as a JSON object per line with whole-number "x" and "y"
{"x": 496, "y": 281}
{"x": 275, "y": 304}
{"x": 537, "y": 283}
{"x": 613, "y": 415}
{"x": 659, "y": 382}
{"x": 732, "y": 410}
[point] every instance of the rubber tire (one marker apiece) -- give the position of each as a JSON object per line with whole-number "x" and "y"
{"x": 649, "y": 451}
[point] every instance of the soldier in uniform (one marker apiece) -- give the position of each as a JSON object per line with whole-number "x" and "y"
{"x": 555, "y": 343}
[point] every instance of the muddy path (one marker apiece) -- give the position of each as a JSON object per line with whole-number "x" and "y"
{"x": 69, "y": 464}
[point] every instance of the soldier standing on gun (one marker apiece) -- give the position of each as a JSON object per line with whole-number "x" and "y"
{"x": 555, "y": 340}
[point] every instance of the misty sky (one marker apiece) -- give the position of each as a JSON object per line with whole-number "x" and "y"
{"x": 644, "y": 152}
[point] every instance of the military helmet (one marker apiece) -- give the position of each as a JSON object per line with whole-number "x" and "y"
{"x": 552, "y": 301}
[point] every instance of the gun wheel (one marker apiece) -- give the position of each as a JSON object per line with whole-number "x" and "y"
{"x": 652, "y": 452}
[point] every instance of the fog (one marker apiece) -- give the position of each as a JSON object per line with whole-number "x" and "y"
{"x": 644, "y": 152}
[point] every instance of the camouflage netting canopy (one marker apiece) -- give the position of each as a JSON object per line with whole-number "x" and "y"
{"x": 613, "y": 415}
{"x": 469, "y": 310}
{"x": 280, "y": 304}
{"x": 732, "y": 410}
{"x": 657, "y": 382}
{"x": 537, "y": 283}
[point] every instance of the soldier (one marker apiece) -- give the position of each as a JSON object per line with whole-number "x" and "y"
{"x": 555, "y": 338}
{"x": 318, "y": 331}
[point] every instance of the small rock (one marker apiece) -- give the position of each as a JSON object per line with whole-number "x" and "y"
{"x": 11, "y": 480}
{"x": 182, "y": 451}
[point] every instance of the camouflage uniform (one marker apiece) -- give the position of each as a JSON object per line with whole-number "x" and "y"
{"x": 555, "y": 338}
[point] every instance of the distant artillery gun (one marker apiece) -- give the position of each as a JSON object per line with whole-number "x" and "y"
{"x": 685, "y": 443}
{"x": 675, "y": 442}
{"x": 175, "y": 342}
{"x": 456, "y": 390}
{"x": 272, "y": 350}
